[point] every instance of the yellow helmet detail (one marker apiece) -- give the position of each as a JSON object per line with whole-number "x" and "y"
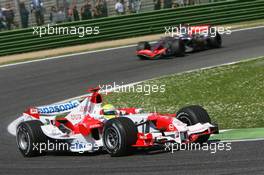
{"x": 109, "y": 111}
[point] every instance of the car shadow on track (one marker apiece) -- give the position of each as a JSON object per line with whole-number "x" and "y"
{"x": 135, "y": 152}
{"x": 163, "y": 58}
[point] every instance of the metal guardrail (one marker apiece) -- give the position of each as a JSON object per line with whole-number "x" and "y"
{"x": 19, "y": 41}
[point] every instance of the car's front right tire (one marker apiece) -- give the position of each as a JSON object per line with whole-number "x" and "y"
{"x": 119, "y": 135}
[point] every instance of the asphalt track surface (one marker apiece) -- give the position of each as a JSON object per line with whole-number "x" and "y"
{"x": 54, "y": 80}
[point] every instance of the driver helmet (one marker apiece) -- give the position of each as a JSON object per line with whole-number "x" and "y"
{"x": 109, "y": 111}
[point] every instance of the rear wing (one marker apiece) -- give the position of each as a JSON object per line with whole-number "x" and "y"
{"x": 91, "y": 105}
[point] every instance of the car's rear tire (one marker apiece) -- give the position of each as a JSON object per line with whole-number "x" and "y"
{"x": 29, "y": 137}
{"x": 192, "y": 115}
{"x": 119, "y": 135}
{"x": 143, "y": 46}
{"x": 215, "y": 42}
{"x": 178, "y": 48}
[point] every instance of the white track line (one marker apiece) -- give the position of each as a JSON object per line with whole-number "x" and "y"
{"x": 100, "y": 50}
{"x": 243, "y": 140}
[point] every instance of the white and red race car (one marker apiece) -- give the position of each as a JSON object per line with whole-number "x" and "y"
{"x": 81, "y": 126}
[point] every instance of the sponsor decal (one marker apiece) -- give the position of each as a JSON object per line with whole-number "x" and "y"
{"x": 58, "y": 108}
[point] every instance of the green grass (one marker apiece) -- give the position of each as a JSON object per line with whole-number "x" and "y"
{"x": 236, "y": 134}
{"x": 233, "y": 95}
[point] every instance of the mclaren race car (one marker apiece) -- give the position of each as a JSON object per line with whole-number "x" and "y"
{"x": 190, "y": 39}
{"x": 85, "y": 126}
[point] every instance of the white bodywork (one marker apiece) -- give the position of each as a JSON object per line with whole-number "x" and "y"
{"x": 80, "y": 143}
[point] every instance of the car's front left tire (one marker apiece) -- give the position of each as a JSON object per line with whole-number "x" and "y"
{"x": 192, "y": 115}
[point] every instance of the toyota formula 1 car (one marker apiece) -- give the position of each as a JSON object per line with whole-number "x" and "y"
{"x": 81, "y": 126}
{"x": 192, "y": 39}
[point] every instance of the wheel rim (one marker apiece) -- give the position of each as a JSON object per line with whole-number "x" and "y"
{"x": 23, "y": 140}
{"x": 112, "y": 138}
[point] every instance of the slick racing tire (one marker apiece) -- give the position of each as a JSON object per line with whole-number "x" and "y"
{"x": 192, "y": 115}
{"x": 119, "y": 135}
{"x": 143, "y": 46}
{"x": 178, "y": 48}
{"x": 215, "y": 42}
{"x": 29, "y": 137}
